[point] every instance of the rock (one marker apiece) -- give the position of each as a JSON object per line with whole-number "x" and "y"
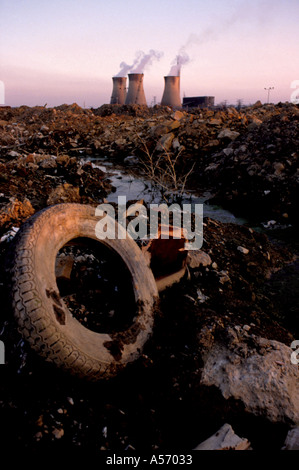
{"x": 48, "y": 163}
{"x": 64, "y": 193}
{"x": 256, "y": 371}
{"x": 292, "y": 440}
{"x": 213, "y": 143}
{"x": 278, "y": 167}
{"x": 58, "y": 433}
{"x": 215, "y": 122}
{"x": 63, "y": 267}
{"x": 13, "y": 154}
{"x": 165, "y": 127}
{"x": 15, "y": 212}
{"x": 256, "y": 121}
{"x": 224, "y": 439}
{"x": 243, "y": 250}
{"x": 63, "y": 160}
{"x": 176, "y": 144}
{"x": 201, "y": 297}
{"x": 212, "y": 167}
{"x": 178, "y": 115}
{"x": 257, "y": 104}
{"x": 165, "y": 142}
{"x": 195, "y": 259}
{"x": 228, "y": 151}
{"x": 223, "y": 277}
{"x": 228, "y": 134}
{"x": 131, "y": 159}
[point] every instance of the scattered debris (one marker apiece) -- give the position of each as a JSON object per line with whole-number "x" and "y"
{"x": 243, "y": 250}
{"x": 224, "y": 439}
{"x": 248, "y": 157}
{"x": 240, "y": 311}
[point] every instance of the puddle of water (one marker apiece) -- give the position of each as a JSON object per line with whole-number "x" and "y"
{"x": 136, "y": 188}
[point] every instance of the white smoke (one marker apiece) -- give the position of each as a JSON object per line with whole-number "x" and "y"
{"x": 147, "y": 60}
{"x": 125, "y": 68}
{"x": 181, "y": 59}
{"x": 210, "y": 33}
{"x": 140, "y": 63}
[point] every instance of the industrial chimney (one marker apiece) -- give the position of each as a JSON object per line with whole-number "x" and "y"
{"x": 136, "y": 92}
{"x": 171, "y": 95}
{"x": 119, "y": 90}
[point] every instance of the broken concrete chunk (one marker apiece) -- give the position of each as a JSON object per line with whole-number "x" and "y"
{"x": 224, "y": 439}
{"x": 198, "y": 258}
{"x": 165, "y": 142}
{"x": 178, "y": 115}
{"x": 292, "y": 440}
{"x": 256, "y": 371}
{"x": 228, "y": 134}
{"x": 243, "y": 250}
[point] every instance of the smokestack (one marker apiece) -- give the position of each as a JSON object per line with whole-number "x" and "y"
{"x": 171, "y": 95}
{"x": 119, "y": 90}
{"x": 136, "y": 92}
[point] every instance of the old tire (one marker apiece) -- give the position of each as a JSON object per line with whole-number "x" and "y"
{"x": 43, "y": 318}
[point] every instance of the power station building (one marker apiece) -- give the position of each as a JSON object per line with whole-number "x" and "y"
{"x": 171, "y": 94}
{"x": 119, "y": 90}
{"x": 135, "y": 93}
{"x": 199, "y": 102}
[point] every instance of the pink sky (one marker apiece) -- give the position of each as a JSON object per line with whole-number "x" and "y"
{"x": 67, "y": 51}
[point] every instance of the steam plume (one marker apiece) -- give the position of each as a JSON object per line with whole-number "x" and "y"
{"x": 125, "y": 68}
{"x": 147, "y": 60}
{"x": 210, "y": 33}
{"x": 141, "y": 62}
{"x": 181, "y": 59}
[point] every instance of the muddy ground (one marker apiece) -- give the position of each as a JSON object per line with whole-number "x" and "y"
{"x": 157, "y": 403}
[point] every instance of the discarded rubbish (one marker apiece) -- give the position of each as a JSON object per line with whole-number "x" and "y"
{"x": 167, "y": 257}
{"x": 43, "y": 317}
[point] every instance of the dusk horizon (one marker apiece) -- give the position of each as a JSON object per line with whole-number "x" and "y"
{"x": 67, "y": 52}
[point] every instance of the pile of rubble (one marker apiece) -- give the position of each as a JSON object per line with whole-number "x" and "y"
{"x": 31, "y": 182}
{"x": 257, "y": 173}
{"x": 220, "y": 352}
{"x": 247, "y": 158}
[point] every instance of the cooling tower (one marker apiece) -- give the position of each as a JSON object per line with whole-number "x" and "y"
{"x": 171, "y": 95}
{"x": 119, "y": 90}
{"x": 136, "y": 92}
